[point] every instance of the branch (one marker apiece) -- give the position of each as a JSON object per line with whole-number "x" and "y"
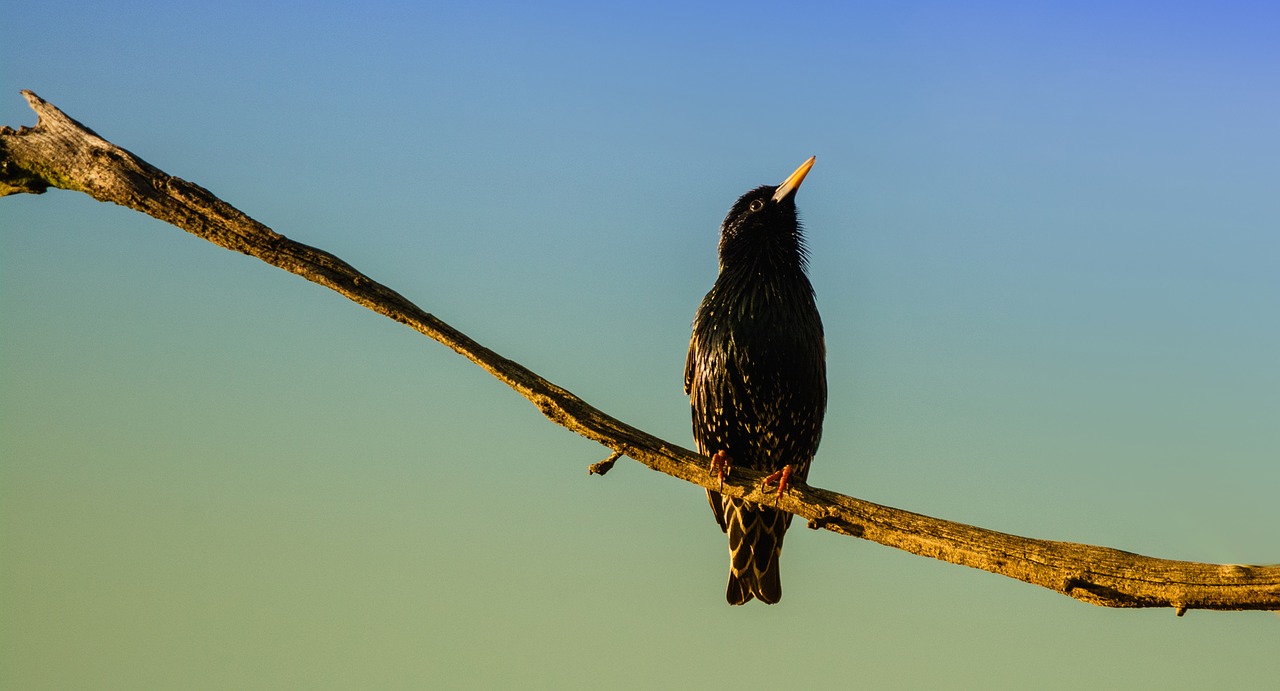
{"x": 60, "y": 152}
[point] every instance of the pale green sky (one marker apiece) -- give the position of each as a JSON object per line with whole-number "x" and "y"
{"x": 1044, "y": 243}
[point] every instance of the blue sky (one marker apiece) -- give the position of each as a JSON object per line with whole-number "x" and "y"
{"x": 1044, "y": 241}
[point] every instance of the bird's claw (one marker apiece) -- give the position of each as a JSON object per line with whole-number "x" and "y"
{"x": 721, "y": 464}
{"x": 780, "y": 477}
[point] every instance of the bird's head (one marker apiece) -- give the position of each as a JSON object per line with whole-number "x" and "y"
{"x": 762, "y": 227}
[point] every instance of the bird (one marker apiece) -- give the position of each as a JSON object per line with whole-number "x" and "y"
{"x": 756, "y": 377}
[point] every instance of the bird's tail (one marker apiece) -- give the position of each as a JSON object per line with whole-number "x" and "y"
{"x": 755, "y": 542}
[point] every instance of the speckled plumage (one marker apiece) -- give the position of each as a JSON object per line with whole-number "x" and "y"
{"x": 756, "y": 374}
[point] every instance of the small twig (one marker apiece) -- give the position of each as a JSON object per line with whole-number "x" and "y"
{"x": 604, "y": 466}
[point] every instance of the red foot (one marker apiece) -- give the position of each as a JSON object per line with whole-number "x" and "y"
{"x": 781, "y": 477}
{"x": 721, "y": 464}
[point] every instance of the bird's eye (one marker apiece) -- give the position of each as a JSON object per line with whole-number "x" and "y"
{"x": 756, "y": 204}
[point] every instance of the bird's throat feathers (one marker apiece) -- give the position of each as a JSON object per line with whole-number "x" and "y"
{"x": 782, "y": 256}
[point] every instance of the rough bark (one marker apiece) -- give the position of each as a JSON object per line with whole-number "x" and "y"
{"x": 60, "y": 152}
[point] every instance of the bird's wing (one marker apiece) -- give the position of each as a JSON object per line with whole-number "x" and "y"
{"x": 689, "y": 365}
{"x": 690, "y": 368}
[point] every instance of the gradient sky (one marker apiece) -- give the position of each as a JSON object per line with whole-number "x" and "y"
{"x": 1045, "y": 241}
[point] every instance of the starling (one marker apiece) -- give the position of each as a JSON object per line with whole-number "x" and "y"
{"x": 756, "y": 375}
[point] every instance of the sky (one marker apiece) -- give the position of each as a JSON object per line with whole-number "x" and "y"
{"x": 1044, "y": 239}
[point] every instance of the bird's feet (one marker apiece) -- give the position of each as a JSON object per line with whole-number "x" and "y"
{"x": 779, "y": 477}
{"x": 721, "y": 464}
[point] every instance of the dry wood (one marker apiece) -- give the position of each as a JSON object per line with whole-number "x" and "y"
{"x": 60, "y": 152}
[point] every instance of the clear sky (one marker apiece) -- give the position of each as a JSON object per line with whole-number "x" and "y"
{"x": 1045, "y": 241}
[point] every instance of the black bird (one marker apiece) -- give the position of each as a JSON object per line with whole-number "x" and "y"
{"x": 756, "y": 375}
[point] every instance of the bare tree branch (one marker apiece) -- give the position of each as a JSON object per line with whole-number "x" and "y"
{"x": 60, "y": 152}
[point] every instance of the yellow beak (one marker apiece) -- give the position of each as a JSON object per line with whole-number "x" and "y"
{"x": 792, "y": 183}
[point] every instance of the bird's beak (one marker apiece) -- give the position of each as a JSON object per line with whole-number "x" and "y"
{"x": 792, "y": 183}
